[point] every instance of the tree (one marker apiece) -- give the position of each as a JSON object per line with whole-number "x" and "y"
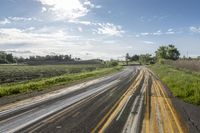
{"x": 6, "y": 58}
{"x": 161, "y": 52}
{"x": 134, "y": 58}
{"x": 145, "y": 59}
{"x": 3, "y": 57}
{"x": 172, "y": 52}
{"x": 167, "y": 52}
{"x": 10, "y": 58}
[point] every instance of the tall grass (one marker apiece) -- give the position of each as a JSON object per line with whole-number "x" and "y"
{"x": 193, "y": 65}
{"x": 18, "y": 73}
{"x": 182, "y": 84}
{"x": 45, "y": 83}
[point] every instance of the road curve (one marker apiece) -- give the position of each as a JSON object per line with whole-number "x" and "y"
{"x": 131, "y": 101}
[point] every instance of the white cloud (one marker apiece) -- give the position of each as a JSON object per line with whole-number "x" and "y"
{"x": 20, "y": 18}
{"x": 80, "y": 29}
{"x": 44, "y": 9}
{"x": 170, "y": 33}
{"x": 68, "y": 9}
{"x": 137, "y": 35}
{"x": 169, "y": 30}
{"x": 195, "y": 29}
{"x": 157, "y": 32}
{"x": 109, "y": 29}
{"x": 98, "y": 6}
{"x": 33, "y": 36}
{"x": 88, "y": 3}
{"x": 144, "y": 34}
{"x": 43, "y": 41}
{"x": 80, "y": 22}
{"x": 148, "y": 42}
{"x": 15, "y": 19}
{"x": 110, "y": 41}
{"x": 5, "y": 21}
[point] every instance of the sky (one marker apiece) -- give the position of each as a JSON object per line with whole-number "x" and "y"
{"x": 102, "y": 29}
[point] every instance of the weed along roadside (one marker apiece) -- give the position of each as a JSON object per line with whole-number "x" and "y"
{"x": 181, "y": 83}
{"x": 45, "y": 83}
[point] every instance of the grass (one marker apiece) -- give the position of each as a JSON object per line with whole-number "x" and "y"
{"x": 129, "y": 63}
{"x": 45, "y": 83}
{"x": 19, "y": 73}
{"x": 192, "y": 65}
{"x": 183, "y": 84}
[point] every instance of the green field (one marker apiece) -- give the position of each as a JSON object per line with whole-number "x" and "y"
{"x": 183, "y": 84}
{"x": 45, "y": 83}
{"x": 18, "y": 73}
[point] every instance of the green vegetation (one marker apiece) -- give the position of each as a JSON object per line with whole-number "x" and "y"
{"x": 167, "y": 52}
{"x": 45, "y": 83}
{"x": 141, "y": 59}
{"x": 187, "y": 64}
{"x": 18, "y": 73}
{"x": 183, "y": 84}
{"x": 112, "y": 63}
{"x": 6, "y": 58}
{"x": 146, "y": 59}
{"x": 163, "y": 53}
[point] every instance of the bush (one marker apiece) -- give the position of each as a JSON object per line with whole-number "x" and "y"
{"x": 112, "y": 63}
{"x": 161, "y": 61}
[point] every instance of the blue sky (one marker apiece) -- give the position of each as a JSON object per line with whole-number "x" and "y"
{"x": 98, "y": 28}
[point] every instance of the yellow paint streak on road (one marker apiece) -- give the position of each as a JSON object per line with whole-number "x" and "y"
{"x": 147, "y": 114}
{"x": 108, "y": 118}
{"x": 166, "y": 120}
{"x": 171, "y": 108}
{"x": 160, "y": 115}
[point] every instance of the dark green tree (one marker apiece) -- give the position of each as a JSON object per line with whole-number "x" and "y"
{"x": 145, "y": 59}
{"x": 161, "y": 52}
{"x": 3, "y": 57}
{"x": 167, "y": 52}
{"x": 134, "y": 58}
{"x": 172, "y": 52}
{"x": 10, "y": 58}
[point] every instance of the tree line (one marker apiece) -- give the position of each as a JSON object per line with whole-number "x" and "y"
{"x": 7, "y": 58}
{"x": 169, "y": 52}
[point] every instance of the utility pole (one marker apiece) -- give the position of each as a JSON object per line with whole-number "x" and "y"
{"x": 126, "y": 58}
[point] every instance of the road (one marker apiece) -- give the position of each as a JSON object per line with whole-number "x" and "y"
{"x": 131, "y": 101}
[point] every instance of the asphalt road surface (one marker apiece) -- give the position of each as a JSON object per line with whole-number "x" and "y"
{"x": 131, "y": 101}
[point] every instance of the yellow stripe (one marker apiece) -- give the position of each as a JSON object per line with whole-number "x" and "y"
{"x": 175, "y": 118}
{"x": 147, "y": 113}
{"x": 117, "y": 105}
{"x": 156, "y": 89}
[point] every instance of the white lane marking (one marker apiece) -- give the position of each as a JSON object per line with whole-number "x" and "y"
{"x": 160, "y": 126}
{"x": 132, "y": 123}
{"x": 29, "y": 102}
{"x": 123, "y": 108}
{"x": 127, "y": 126}
{"x": 27, "y": 119}
{"x": 137, "y": 118}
